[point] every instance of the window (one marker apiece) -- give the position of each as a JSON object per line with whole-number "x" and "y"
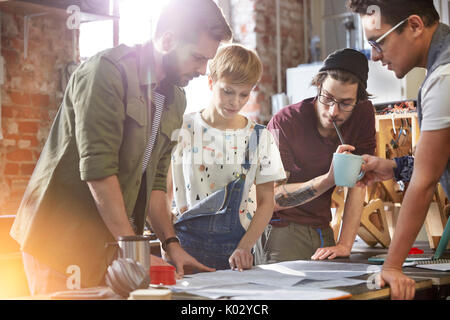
{"x": 443, "y": 8}
{"x": 198, "y": 94}
{"x": 95, "y": 37}
{"x": 445, "y": 15}
{"x": 137, "y": 20}
{"x": 137, "y": 17}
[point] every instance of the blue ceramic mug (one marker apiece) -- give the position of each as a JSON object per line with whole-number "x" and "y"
{"x": 347, "y": 169}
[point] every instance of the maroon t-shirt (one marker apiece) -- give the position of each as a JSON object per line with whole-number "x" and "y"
{"x": 306, "y": 154}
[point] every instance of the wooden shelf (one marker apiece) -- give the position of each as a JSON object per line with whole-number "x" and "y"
{"x": 27, "y": 8}
{"x": 383, "y": 126}
{"x": 406, "y": 115}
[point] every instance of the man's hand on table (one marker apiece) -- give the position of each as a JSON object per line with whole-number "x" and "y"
{"x": 157, "y": 261}
{"x": 402, "y": 287}
{"x": 183, "y": 261}
{"x": 331, "y": 252}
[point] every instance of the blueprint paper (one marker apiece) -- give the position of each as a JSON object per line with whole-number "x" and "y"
{"x": 322, "y": 270}
{"x": 344, "y": 282}
{"x": 289, "y": 280}
{"x": 262, "y": 292}
{"x": 294, "y": 294}
{"x": 225, "y": 277}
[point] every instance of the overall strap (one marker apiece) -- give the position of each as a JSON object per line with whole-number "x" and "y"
{"x": 252, "y": 147}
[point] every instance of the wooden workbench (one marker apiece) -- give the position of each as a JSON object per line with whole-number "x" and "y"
{"x": 430, "y": 284}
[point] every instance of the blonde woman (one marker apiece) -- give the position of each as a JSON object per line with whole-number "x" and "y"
{"x": 224, "y": 168}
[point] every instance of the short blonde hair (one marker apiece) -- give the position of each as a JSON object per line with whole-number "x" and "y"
{"x": 237, "y": 64}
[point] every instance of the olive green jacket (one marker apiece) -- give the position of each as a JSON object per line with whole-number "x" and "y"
{"x": 100, "y": 130}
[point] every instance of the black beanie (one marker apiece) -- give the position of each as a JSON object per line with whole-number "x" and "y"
{"x": 349, "y": 60}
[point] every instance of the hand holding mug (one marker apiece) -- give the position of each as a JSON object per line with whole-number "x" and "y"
{"x": 343, "y": 148}
{"x": 347, "y": 167}
{"x": 377, "y": 169}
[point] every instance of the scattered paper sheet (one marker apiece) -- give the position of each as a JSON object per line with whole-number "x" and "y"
{"x": 289, "y": 280}
{"x": 299, "y": 294}
{"x": 322, "y": 270}
{"x": 437, "y": 266}
{"x": 253, "y": 291}
{"x": 225, "y": 277}
{"x": 345, "y": 282}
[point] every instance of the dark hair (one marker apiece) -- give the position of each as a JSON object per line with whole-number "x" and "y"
{"x": 344, "y": 77}
{"x": 394, "y": 11}
{"x": 188, "y": 18}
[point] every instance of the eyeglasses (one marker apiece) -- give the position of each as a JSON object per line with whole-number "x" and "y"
{"x": 329, "y": 101}
{"x": 376, "y": 43}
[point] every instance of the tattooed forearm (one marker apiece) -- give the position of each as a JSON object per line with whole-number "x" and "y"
{"x": 296, "y": 198}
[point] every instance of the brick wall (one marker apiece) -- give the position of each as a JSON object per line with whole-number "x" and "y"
{"x": 254, "y": 25}
{"x": 32, "y": 91}
{"x": 30, "y": 97}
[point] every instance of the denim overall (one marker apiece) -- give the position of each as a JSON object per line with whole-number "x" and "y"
{"x": 211, "y": 230}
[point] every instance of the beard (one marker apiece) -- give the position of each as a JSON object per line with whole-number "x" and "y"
{"x": 325, "y": 128}
{"x": 174, "y": 76}
{"x": 170, "y": 66}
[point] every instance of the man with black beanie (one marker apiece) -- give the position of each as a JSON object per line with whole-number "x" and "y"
{"x": 306, "y": 136}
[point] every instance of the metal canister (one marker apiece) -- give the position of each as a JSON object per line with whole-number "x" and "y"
{"x": 136, "y": 248}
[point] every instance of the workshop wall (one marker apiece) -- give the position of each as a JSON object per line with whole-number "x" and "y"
{"x": 33, "y": 87}
{"x": 254, "y": 25}
{"x": 30, "y": 97}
